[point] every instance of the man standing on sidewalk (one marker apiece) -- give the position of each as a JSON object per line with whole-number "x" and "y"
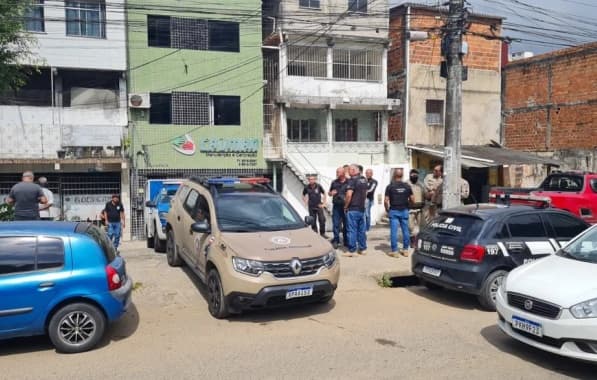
{"x": 314, "y": 198}
{"x": 431, "y": 183}
{"x": 338, "y": 194}
{"x": 45, "y": 210}
{"x": 354, "y": 206}
{"x": 113, "y": 214}
{"x": 26, "y": 197}
{"x": 398, "y": 197}
{"x": 371, "y": 187}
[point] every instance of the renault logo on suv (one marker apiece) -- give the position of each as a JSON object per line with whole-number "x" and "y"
{"x": 528, "y": 304}
{"x": 296, "y": 266}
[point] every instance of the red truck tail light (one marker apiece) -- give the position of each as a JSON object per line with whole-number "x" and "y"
{"x": 472, "y": 253}
{"x": 114, "y": 280}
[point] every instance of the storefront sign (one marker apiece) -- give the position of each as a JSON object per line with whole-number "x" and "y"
{"x": 229, "y": 145}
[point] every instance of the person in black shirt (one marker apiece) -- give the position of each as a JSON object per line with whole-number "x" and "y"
{"x": 371, "y": 187}
{"x": 113, "y": 214}
{"x": 398, "y": 197}
{"x": 314, "y": 198}
{"x": 354, "y": 205}
{"x": 338, "y": 194}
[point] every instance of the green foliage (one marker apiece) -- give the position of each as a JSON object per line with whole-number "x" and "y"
{"x": 14, "y": 43}
{"x": 385, "y": 281}
{"x": 6, "y": 212}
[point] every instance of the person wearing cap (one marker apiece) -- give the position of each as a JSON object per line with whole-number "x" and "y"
{"x": 113, "y": 214}
{"x": 415, "y": 213}
{"x": 45, "y": 210}
{"x": 26, "y": 197}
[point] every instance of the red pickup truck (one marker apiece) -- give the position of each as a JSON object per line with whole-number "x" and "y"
{"x": 575, "y": 192}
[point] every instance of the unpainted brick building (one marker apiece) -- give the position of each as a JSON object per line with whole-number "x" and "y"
{"x": 550, "y": 106}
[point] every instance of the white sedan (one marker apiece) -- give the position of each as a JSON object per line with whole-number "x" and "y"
{"x": 551, "y": 304}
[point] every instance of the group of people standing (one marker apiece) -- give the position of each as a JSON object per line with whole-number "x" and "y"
{"x": 410, "y": 205}
{"x": 33, "y": 201}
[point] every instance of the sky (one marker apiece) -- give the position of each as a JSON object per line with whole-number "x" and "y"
{"x": 542, "y": 25}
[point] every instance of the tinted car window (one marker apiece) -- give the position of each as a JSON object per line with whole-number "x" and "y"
{"x": 17, "y": 254}
{"x": 529, "y": 225}
{"x": 594, "y": 185}
{"x": 101, "y": 239}
{"x": 502, "y": 232}
{"x": 463, "y": 227}
{"x": 563, "y": 183}
{"x": 50, "y": 253}
{"x": 566, "y": 226}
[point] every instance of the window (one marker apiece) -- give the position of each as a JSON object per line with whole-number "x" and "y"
{"x": 594, "y": 185}
{"x": 309, "y": 4}
{"x": 525, "y": 226}
{"x": 191, "y": 202}
{"x": 190, "y": 108}
{"x": 101, "y": 239}
{"x": 303, "y": 130}
{"x": 226, "y": 110}
{"x": 161, "y": 108}
{"x": 563, "y": 183}
{"x": 34, "y": 18}
{"x": 566, "y": 226}
{"x": 184, "y": 191}
{"x": 202, "y": 210}
{"x": 307, "y": 61}
{"x": 50, "y": 253}
{"x": 357, "y": 6}
{"x": 357, "y": 64}
{"x": 86, "y": 19}
{"x": 17, "y": 254}
{"x": 158, "y": 31}
{"x": 434, "y": 112}
{"x": 502, "y": 232}
{"x": 223, "y": 36}
{"x": 346, "y": 129}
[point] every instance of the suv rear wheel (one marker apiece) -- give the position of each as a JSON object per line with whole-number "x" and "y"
{"x": 490, "y": 288}
{"x": 172, "y": 256}
{"x": 77, "y": 327}
{"x": 215, "y": 295}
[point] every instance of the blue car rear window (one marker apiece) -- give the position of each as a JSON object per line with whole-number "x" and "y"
{"x": 100, "y": 238}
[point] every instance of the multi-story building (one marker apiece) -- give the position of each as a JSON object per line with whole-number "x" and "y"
{"x": 326, "y": 101}
{"x": 195, "y": 91}
{"x": 550, "y": 106}
{"x": 68, "y": 122}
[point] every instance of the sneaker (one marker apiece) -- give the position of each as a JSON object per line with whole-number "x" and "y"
{"x": 348, "y": 254}
{"x": 393, "y": 254}
{"x": 404, "y": 252}
{"x": 362, "y": 252}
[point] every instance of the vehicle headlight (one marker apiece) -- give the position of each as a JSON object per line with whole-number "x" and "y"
{"x": 250, "y": 267}
{"x": 330, "y": 259}
{"x": 583, "y": 310}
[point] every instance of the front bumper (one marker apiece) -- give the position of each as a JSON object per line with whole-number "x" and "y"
{"x": 565, "y": 336}
{"x": 275, "y": 296}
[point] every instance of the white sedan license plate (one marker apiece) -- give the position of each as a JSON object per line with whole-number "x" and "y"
{"x": 527, "y": 326}
{"x": 305, "y": 291}
{"x": 432, "y": 271}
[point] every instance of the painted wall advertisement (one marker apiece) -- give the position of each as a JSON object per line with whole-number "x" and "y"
{"x": 85, "y": 207}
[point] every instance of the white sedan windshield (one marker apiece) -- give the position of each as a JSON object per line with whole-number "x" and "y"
{"x": 584, "y": 249}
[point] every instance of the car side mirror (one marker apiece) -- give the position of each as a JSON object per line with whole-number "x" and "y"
{"x": 200, "y": 227}
{"x": 309, "y": 220}
{"x": 150, "y": 204}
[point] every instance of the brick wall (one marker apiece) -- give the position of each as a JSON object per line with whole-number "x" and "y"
{"x": 550, "y": 101}
{"x": 396, "y": 76}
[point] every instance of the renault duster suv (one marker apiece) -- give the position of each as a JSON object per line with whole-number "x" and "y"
{"x": 248, "y": 245}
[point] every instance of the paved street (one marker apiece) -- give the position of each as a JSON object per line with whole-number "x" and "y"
{"x": 367, "y": 332}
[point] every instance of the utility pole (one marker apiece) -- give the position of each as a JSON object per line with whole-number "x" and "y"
{"x": 453, "y": 52}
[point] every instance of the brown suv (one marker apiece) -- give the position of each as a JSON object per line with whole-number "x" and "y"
{"x": 248, "y": 245}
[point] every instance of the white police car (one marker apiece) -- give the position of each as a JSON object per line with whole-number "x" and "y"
{"x": 551, "y": 304}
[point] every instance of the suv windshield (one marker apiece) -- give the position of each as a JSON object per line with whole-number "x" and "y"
{"x": 246, "y": 212}
{"x": 583, "y": 249}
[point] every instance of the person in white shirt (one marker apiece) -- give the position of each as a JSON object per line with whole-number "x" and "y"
{"x": 45, "y": 210}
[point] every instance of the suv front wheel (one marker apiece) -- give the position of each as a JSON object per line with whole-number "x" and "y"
{"x": 215, "y": 295}
{"x": 172, "y": 256}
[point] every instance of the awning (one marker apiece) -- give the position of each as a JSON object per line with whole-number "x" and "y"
{"x": 485, "y": 156}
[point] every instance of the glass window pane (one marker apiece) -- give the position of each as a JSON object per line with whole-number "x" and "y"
{"x": 526, "y": 226}
{"x": 17, "y": 254}
{"x": 50, "y": 253}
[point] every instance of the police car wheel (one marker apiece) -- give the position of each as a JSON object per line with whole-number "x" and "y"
{"x": 490, "y": 288}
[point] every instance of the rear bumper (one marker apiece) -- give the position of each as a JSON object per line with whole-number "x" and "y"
{"x": 118, "y": 301}
{"x": 459, "y": 276}
{"x": 275, "y": 296}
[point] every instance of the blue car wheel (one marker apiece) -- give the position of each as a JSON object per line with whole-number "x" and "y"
{"x": 76, "y": 327}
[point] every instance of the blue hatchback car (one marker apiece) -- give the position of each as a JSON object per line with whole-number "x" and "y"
{"x": 63, "y": 279}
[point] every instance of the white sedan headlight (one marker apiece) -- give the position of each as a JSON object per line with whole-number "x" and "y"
{"x": 583, "y": 310}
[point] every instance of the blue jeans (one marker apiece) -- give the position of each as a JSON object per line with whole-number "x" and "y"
{"x": 356, "y": 230}
{"x": 339, "y": 221}
{"x": 114, "y": 230}
{"x": 399, "y": 217}
{"x": 368, "y": 206}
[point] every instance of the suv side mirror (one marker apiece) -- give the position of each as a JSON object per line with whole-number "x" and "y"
{"x": 309, "y": 220}
{"x": 150, "y": 204}
{"x": 200, "y": 227}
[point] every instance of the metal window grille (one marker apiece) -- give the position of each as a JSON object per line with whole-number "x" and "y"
{"x": 307, "y": 61}
{"x": 346, "y": 129}
{"x": 140, "y": 177}
{"x": 190, "y": 108}
{"x": 434, "y": 112}
{"x": 189, "y": 33}
{"x": 357, "y": 64}
{"x": 304, "y": 131}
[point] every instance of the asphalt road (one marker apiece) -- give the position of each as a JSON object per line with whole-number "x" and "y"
{"x": 365, "y": 332}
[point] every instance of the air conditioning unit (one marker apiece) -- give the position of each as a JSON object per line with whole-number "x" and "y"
{"x": 139, "y": 101}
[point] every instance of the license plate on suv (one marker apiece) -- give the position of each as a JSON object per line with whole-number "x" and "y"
{"x": 304, "y": 291}
{"x": 432, "y": 271}
{"x": 527, "y": 326}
